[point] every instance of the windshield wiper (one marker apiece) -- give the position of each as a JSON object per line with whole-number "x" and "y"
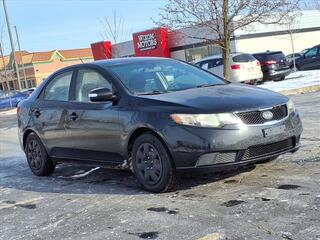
{"x": 152, "y": 92}
{"x": 207, "y": 85}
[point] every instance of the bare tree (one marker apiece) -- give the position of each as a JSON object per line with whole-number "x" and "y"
{"x": 114, "y": 30}
{"x": 221, "y": 18}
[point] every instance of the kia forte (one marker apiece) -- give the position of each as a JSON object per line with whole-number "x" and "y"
{"x": 155, "y": 116}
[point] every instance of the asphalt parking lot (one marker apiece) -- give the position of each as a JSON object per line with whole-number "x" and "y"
{"x": 274, "y": 200}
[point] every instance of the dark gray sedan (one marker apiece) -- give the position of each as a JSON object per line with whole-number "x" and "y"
{"x": 155, "y": 116}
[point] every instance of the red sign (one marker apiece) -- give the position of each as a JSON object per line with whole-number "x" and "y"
{"x": 151, "y": 43}
{"x": 101, "y": 50}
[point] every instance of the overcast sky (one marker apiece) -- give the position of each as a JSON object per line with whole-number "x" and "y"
{"x": 64, "y": 24}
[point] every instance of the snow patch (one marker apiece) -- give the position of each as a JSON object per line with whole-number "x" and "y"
{"x": 85, "y": 173}
{"x": 295, "y": 80}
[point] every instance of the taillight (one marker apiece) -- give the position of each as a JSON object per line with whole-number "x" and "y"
{"x": 18, "y": 111}
{"x": 268, "y": 63}
{"x": 236, "y": 66}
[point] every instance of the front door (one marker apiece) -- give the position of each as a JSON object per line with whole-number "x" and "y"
{"x": 93, "y": 129}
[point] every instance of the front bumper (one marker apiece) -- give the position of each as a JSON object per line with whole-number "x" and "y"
{"x": 193, "y": 148}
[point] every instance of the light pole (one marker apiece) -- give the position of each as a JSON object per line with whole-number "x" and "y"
{"x": 19, "y": 48}
{"x": 11, "y": 42}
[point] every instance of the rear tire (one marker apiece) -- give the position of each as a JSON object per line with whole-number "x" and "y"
{"x": 152, "y": 164}
{"x": 37, "y": 156}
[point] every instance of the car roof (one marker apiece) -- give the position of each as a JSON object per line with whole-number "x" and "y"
{"x": 127, "y": 60}
{"x": 114, "y": 61}
{"x": 216, "y": 56}
{"x": 267, "y": 52}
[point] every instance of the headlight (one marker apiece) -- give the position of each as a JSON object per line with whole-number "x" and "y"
{"x": 291, "y": 107}
{"x": 206, "y": 120}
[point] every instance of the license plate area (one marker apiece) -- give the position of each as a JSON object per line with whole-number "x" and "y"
{"x": 273, "y": 131}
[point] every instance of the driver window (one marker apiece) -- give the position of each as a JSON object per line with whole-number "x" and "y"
{"x": 312, "y": 52}
{"x": 88, "y": 80}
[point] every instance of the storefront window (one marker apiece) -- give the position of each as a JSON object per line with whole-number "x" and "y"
{"x": 11, "y": 86}
{"x": 23, "y": 84}
{"x": 31, "y": 83}
{"x": 197, "y": 53}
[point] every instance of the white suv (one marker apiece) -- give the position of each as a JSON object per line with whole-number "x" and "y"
{"x": 244, "y": 67}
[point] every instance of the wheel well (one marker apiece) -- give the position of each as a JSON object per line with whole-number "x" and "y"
{"x": 141, "y": 131}
{"x": 25, "y": 136}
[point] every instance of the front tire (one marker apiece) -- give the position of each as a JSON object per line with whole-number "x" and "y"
{"x": 152, "y": 164}
{"x": 37, "y": 156}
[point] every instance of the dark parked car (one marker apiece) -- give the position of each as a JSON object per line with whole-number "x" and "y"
{"x": 29, "y": 91}
{"x": 292, "y": 57}
{"x": 310, "y": 60}
{"x": 11, "y": 98}
{"x": 156, "y": 116}
{"x": 274, "y": 65}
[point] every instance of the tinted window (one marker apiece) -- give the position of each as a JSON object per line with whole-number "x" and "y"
{"x": 272, "y": 56}
{"x": 275, "y": 56}
{"x": 312, "y": 52}
{"x": 243, "y": 58}
{"x": 260, "y": 57}
{"x": 162, "y": 76}
{"x": 58, "y": 88}
{"x": 88, "y": 80}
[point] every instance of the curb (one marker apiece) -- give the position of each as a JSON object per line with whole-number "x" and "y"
{"x": 302, "y": 90}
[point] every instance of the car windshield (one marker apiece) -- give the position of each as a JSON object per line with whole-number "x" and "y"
{"x": 156, "y": 77}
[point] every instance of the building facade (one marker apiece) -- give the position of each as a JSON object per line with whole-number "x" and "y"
{"x": 303, "y": 33}
{"x": 36, "y": 66}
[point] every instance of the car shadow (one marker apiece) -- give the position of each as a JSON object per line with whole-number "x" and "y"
{"x": 79, "y": 179}
{"x": 193, "y": 179}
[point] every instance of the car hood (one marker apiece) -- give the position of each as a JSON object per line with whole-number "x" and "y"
{"x": 218, "y": 99}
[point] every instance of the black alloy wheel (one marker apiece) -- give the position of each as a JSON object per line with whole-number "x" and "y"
{"x": 152, "y": 164}
{"x": 38, "y": 159}
{"x": 149, "y": 163}
{"x": 34, "y": 154}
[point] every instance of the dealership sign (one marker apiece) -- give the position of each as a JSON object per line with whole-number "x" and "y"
{"x": 101, "y": 50}
{"x": 147, "y": 41}
{"x": 152, "y": 43}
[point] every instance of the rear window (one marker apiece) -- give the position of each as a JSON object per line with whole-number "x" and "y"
{"x": 243, "y": 58}
{"x": 275, "y": 56}
{"x": 272, "y": 56}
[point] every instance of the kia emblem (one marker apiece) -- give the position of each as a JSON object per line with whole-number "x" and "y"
{"x": 267, "y": 115}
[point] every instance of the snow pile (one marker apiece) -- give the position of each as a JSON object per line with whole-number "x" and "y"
{"x": 295, "y": 80}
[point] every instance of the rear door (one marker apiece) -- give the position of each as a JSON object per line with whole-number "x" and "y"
{"x": 310, "y": 60}
{"x": 93, "y": 127}
{"x": 49, "y": 113}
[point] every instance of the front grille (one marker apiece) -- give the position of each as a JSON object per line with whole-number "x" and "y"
{"x": 225, "y": 157}
{"x": 268, "y": 149}
{"x": 255, "y": 117}
{"x": 216, "y": 158}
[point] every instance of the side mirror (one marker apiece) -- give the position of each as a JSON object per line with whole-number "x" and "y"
{"x": 101, "y": 95}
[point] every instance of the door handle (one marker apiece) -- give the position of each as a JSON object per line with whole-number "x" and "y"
{"x": 74, "y": 116}
{"x": 36, "y": 112}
